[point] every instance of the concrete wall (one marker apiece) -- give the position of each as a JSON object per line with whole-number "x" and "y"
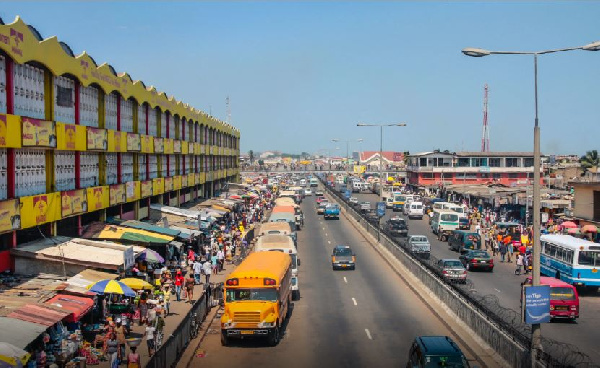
{"x": 34, "y": 266}
{"x": 584, "y": 201}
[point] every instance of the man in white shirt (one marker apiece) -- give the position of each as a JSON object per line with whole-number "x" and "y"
{"x": 221, "y": 259}
{"x": 207, "y": 268}
{"x": 197, "y": 266}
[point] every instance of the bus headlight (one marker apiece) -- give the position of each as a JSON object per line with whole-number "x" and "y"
{"x": 266, "y": 324}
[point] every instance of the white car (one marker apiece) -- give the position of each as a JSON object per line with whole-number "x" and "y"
{"x": 353, "y": 200}
{"x": 307, "y": 192}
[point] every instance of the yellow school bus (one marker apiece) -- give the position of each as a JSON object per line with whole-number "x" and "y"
{"x": 257, "y": 297}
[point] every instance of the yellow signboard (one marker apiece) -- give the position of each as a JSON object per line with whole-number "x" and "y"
{"x": 159, "y": 145}
{"x": 176, "y": 182}
{"x": 146, "y": 189}
{"x": 169, "y": 145}
{"x": 71, "y": 137}
{"x": 133, "y": 142}
{"x": 147, "y": 143}
{"x": 10, "y": 126}
{"x": 168, "y": 184}
{"x": 38, "y": 133}
{"x": 359, "y": 169}
{"x": 117, "y": 141}
{"x": 191, "y": 180}
{"x": 158, "y": 186}
{"x": 97, "y": 198}
{"x": 10, "y": 217}
{"x": 73, "y": 202}
{"x": 177, "y": 146}
{"x": 39, "y": 209}
{"x": 117, "y": 194}
{"x": 97, "y": 139}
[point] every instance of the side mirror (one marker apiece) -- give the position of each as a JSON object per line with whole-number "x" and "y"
{"x": 298, "y": 261}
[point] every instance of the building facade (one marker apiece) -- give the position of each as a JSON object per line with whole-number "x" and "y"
{"x": 444, "y": 167}
{"x": 80, "y": 142}
{"x": 587, "y": 201}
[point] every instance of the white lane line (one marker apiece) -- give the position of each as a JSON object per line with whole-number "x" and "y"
{"x": 328, "y": 241}
{"x": 323, "y": 228}
{"x": 345, "y": 280}
{"x": 354, "y": 301}
{"x": 325, "y": 234}
{"x": 497, "y": 290}
{"x": 368, "y": 334}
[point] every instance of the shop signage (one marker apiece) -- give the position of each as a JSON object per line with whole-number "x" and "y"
{"x": 536, "y": 308}
{"x": 97, "y": 198}
{"x": 97, "y": 139}
{"x": 146, "y": 190}
{"x": 10, "y": 218}
{"x": 117, "y": 194}
{"x": 39, "y": 133}
{"x": 74, "y": 202}
{"x": 133, "y": 142}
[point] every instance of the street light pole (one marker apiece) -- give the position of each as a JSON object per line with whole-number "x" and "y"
{"x": 536, "y": 333}
{"x": 380, "y": 161}
{"x": 347, "y": 150}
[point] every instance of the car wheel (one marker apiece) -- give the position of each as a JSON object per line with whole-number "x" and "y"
{"x": 468, "y": 267}
{"x": 274, "y": 336}
{"x": 224, "y": 339}
{"x": 491, "y": 269}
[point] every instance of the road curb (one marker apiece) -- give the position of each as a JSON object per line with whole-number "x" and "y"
{"x": 488, "y": 357}
{"x": 189, "y": 353}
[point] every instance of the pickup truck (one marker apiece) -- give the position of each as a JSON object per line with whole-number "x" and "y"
{"x": 419, "y": 246}
{"x": 364, "y": 206}
{"x": 397, "y": 226}
{"x": 332, "y": 211}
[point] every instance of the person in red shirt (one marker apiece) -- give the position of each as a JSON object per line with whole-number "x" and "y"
{"x": 179, "y": 280}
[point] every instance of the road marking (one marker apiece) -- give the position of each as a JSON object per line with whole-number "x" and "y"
{"x": 325, "y": 234}
{"x": 345, "y": 280}
{"x": 354, "y": 301}
{"x": 328, "y": 241}
{"x": 323, "y": 228}
{"x": 497, "y": 290}
{"x": 368, "y": 334}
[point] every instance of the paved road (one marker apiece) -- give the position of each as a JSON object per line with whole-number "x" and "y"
{"x": 504, "y": 284}
{"x": 362, "y": 318}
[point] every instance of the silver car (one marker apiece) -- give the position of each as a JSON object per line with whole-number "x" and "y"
{"x": 453, "y": 270}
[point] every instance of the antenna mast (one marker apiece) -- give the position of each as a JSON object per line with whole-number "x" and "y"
{"x": 485, "y": 136}
{"x": 228, "y": 110}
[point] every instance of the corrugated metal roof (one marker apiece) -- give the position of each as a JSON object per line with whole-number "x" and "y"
{"x": 19, "y": 333}
{"x": 40, "y": 314}
{"x": 150, "y": 227}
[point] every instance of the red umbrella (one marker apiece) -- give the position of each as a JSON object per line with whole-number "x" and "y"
{"x": 569, "y": 225}
{"x": 589, "y": 229}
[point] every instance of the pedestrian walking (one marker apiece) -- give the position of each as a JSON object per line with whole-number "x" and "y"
{"x": 207, "y": 269}
{"x": 519, "y": 264}
{"x": 133, "y": 359}
{"x": 178, "y": 285}
{"x": 221, "y": 259}
{"x": 502, "y": 252}
{"x": 111, "y": 350}
{"x": 150, "y": 329}
{"x": 189, "y": 287}
{"x": 197, "y": 266}
{"x": 167, "y": 300}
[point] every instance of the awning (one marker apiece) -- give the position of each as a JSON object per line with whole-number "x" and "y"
{"x": 103, "y": 231}
{"x": 79, "y": 306}
{"x": 187, "y": 231}
{"x": 40, "y": 314}
{"x": 78, "y": 283}
{"x": 19, "y": 333}
{"x": 153, "y": 228}
{"x": 176, "y": 244}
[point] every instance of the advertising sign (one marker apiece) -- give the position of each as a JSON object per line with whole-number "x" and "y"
{"x": 10, "y": 218}
{"x": 73, "y": 202}
{"x": 158, "y": 186}
{"x": 128, "y": 258}
{"x": 168, "y": 146}
{"x": 117, "y": 194}
{"x": 168, "y": 184}
{"x": 133, "y": 142}
{"x": 70, "y": 137}
{"x": 97, "y": 139}
{"x": 147, "y": 144}
{"x": 10, "y": 126}
{"x": 177, "y": 182}
{"x": 177, "y": 146}
{"x": 39, "y": 133}
{"x": 359, "y": 169}
{"x": 380, "y": 209}
{"x": 159, "y": 146}
{"x": 39, "y": 209}
{"x": 97, "y": 198}
{"x": 146, "y": 190}
{"x": 536, "y": 308}
{"x": 132, "y": 190}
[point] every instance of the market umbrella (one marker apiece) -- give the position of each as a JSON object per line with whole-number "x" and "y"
{"x": 150, "y": 256}
{"x": 574, "y": 231}
{"x": 137, "y": 284}
{"x": 111, "y": 287}
{"x": 569, "y": 225}
{"x": 589, "y": 229}
{"x": 12, "y": 356}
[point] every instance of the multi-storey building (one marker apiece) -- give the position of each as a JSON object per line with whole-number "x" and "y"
{"x": 80, "y": 142}
{"x": 444, "y": 167}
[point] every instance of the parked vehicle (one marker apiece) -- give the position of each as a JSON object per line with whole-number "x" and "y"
{"x": 420, "y": 246}
{"x": 342, "y": 257}
{"x": 564, "y": 299}
{"x": 332, "y": 211}
{"x": 452, "y": 270}
{"x": 477, "y": 260}
{"x": 462, "y": 241}
{"x": 435, "y": 351}
{"x": 396, "y": 226}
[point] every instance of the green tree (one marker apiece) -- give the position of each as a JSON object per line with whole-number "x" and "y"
{"x": 589, "y": 161}
{"x": 251, "y": 155}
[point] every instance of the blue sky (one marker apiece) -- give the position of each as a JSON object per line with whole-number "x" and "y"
{"x": 300, "y": 74}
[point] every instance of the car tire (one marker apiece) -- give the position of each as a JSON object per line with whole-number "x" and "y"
{"x": 468, "y": 267}
{"x": 224, "y": 339}
{"x": 273, "y": 338}
{"x": 491, "y": 269}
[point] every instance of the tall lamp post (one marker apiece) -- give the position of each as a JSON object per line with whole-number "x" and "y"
{"x": 475, "y": 52}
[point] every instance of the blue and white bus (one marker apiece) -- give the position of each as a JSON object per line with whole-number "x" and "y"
{"x": 573, "y": 260}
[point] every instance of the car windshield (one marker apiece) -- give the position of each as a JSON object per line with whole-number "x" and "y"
{"x": 562, "y": 293}
{"x": 453, "y": 264}
{"x": 449, "y": 217}
{"x": 342, "y": 252}
{"x": 480, "y": 255}
{"x": 236, "y": 295}
{"x": 399, "y": 198}
{"x": 458, "y": 209}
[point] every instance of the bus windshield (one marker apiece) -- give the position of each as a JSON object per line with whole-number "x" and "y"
{"x": 399, "y": 198}
{"x": 449, "y": 217}
{"x": 458, "y": 209}
{"x": 237, "y": 295}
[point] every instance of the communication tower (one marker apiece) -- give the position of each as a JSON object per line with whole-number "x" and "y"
{"x": 485, "y": 136}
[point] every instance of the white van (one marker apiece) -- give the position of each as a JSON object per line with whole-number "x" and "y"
{"x": 356, "y": 186}
{"x": 415, "y": 210}
{"x": 389, "y": 202}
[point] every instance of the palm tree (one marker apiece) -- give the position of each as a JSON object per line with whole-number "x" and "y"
{"x": 251, "y": 156}
{"x": 590, "y": 161}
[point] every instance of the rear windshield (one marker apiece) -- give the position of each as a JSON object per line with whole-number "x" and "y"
{"x": 419, "y": 239}
{"x": 445, "y": 361}
{"x": 562, "y": 293}
{"x": 342, "y": 252}
{"x": 480, "y": 254}
{"x": 449, "y": 217}
{"x": 452, "y": 264}
{"x": 416, "y": 206}
{"x": 458, "y": 209}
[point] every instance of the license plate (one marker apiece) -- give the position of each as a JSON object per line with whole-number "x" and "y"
{"x": 482, "y": 262}
{"x": 562, "y": 308}
{"x": 247, "y": 332}
{"x": 344, "y": 265}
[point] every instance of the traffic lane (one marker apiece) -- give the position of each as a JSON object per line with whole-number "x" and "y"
{"x": 385, "y": 306}
{"x": 504, "y": 284}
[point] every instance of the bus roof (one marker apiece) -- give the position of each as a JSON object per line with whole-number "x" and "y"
{"x": 568, "y": 241}
{"x": 275, "y": 242}
{"x": 278, "y": 209}
{"x": 507, "y": 224}
{"x": 279, "y": 226}
{"x": 261, "y": 265}
{"x": 282, "y": 216}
